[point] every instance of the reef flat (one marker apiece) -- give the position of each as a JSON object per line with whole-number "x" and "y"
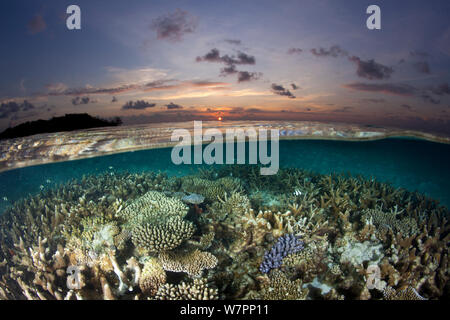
{"x": 225, "y": 233}
{"x": 62, "y": 146}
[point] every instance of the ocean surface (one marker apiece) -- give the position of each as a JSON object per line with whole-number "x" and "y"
{"x": 415, "y": 165}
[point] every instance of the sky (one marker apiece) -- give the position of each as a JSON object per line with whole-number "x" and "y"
{"x": 163, "y": 61}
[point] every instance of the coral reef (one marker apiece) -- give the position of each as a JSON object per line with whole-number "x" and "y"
{"x": 225, "y": 233}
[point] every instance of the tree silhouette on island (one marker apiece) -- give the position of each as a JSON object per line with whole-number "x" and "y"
{"x": 68, "y": 122}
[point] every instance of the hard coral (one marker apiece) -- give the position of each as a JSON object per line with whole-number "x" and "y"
{"x": 165, "y": 235}
{"x": 285, "y": 245}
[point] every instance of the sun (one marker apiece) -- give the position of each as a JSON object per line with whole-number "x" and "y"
{"x": 219, "y": 118}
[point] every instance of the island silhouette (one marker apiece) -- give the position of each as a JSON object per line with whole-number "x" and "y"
{"x": 68, "y": 122}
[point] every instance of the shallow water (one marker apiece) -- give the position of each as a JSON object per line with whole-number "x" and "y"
{"x": 415, "y": 165}
{"x": 226, "y": 232}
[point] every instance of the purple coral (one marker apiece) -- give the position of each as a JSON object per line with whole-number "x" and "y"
{"x": 285, "y": 245}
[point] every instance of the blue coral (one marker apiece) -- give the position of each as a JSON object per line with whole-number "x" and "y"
{"x": 285, "y": 245}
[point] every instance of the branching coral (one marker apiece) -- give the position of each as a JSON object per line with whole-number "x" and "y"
{"x": 197, "y": 290}
{"x": 151, "y": 207}
{"x": 161, "y": 236}
{"x": 152, "y": 277}
{"x": 274, "y": 257}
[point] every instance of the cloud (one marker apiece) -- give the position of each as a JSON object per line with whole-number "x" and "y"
{"x": 406, "y": 106}
{"x": 422, "y": 67}
{"x": 401, "y": 90}
{"x": 82, "y": 100}
{"x": 294, "y": 51}
{"x": 442, "y": 89}
{"x": 334, "y": 51}
{"x": 371, "y": 70}
{"x": 231, "y": 62}
{"x": 36, "y": 24}
{"x": 12, "y": 108}
{"x": 138, "y": 105}
{"x": 373, "y": 100}
{"x": 294, "y": 86}
{"x": 244, "y": 76}
{"x": 173, "y": 106}
{"x": 394, "y": 89}
{"x": 280, "y": 90}
{"x": 56, "y": 87}
{"x": 233, "y": 41}
{"x": 173, "y": 26}
{"x": 214, "y": 56}
{"x": 343, "y": 109}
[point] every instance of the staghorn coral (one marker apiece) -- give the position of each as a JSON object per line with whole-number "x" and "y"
{"x": 274, "y": 257}
{"x": 197, "y": 290}
{"x": 191, "y": 262}
{"x": 152, "y": 277}
{"x": 390, "y": 220}
{"x": 160, "y": 236}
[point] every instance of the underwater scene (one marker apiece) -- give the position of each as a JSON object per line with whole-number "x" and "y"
{"x": 339, "y": 220}
{"x": 237, "y": 156}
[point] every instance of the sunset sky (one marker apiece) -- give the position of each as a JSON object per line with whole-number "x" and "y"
{"x": 152, "y": 61}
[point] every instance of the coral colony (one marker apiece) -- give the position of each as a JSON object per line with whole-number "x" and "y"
{"x": 285, "y": 245}
{"x": 227, "y": 233}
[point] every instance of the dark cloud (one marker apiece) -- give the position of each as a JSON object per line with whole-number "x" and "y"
{"x": 371, "y": 70}
{"x": 12, "y": 108}
{"x": 244, "y": 76}
{"x": 294, "y": 51}
{"x": 395, "y": 89}
{"x": 280, "y": 90}
{"x": 343, "y": 109}
{"x": 294, "y": 86}
{"x": 174, "y": 26}
{"x": 422, "y": 67}
{"x": 406, "y": 106}
{"x": 82, "y": 100}
{"x": 173, "y": 106}
{"x": 334, "y": 51}
{"x": 214, "y": 56}
{"x": 36, "y": 24}
{"x": 233, "y": 41}
{"x": 231, "y": 62}
{"x": 373, "y": 100}
{"x": 442, "y": 89}
{"x": 138, "y": 105}
{"x": 427, "y": 97}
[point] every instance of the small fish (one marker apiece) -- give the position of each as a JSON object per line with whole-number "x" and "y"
{"x": 41, "y": 187}
{"x": 48, "y": 181}
{"x": 297, "y": 193}
{"x": 110, "y": 167}
{"x": 5, "y": 198}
